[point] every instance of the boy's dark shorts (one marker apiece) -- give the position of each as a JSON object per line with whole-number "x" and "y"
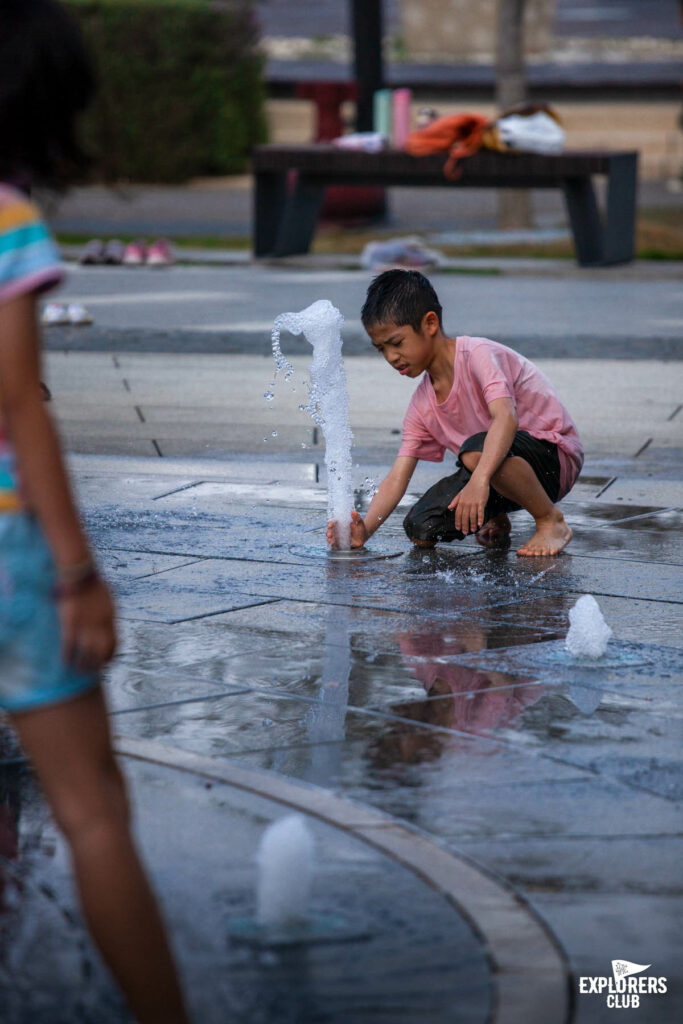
{"x": 431, "y": 520}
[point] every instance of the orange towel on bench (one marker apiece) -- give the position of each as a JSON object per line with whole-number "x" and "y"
{"x": 460, "y": 135}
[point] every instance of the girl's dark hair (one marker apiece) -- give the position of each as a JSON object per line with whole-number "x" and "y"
{"x": 400, "y": 297}
{"x": 46, "y": 80}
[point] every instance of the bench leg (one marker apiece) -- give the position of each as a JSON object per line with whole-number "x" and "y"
{"x": 598, "y": 243}
{"x": 584, "y": 218}
{"x": 270, "y": 197}
{"x": 299, "y": 219}
{"x": 620, "y": 226}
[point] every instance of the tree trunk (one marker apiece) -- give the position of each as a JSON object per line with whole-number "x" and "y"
{"x": 514, "y": 205}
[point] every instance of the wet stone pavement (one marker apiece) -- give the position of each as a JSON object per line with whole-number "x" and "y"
{"x": 432, "y": 687}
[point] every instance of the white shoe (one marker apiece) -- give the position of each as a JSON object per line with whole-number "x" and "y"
{"x": 54, "y": 313}
{"x": 78, "y": 315}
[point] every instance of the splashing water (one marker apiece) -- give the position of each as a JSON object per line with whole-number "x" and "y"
{"x": 588, "y": 632}
{"x": 328, "y": 400}
{"x": 370, "y": 487}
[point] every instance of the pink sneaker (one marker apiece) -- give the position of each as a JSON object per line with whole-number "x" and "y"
{"x": 160, "y": 254}
{"x": 135, "y": 254}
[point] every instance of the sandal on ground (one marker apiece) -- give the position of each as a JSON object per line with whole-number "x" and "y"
{"x": 93, "y": 254}
{"x": 160, "y": 254}
{"x": 78, "y": 315}
{"x": 135, "y": 254}
{"x": 114, "y": 252}
{"x": 54, "y": 314}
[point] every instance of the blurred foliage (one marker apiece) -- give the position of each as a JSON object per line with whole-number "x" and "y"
{"x": 180, "y": 88}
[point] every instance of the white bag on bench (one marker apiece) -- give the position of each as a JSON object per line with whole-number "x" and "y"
{"x": 535, "y": 133}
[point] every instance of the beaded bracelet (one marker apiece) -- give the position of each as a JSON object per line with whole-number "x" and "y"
{"x": 72, "y": 588}
{"x": 73, "y": 573}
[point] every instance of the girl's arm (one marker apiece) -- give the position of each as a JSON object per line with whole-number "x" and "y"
{"x": 87, "y": 614}
{"x": 33, "y": 435}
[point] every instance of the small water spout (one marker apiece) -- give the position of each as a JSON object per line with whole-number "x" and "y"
{"x": 285, "y": 862}
{"x": 588, "y": 632}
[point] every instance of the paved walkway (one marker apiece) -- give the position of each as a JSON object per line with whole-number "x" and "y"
{"x": 619, "y": 312}
{"x": 493, "y": 818}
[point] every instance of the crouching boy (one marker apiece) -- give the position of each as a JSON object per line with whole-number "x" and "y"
{"x": 516, "y": 445}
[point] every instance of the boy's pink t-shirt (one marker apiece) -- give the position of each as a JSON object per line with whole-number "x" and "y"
{"x": 483, "y": 371}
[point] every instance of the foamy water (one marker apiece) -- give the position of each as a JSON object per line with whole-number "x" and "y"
{"x": 285, "y": 865}
{"x": 588, "y": 632}
{"x": 328, "y": 400}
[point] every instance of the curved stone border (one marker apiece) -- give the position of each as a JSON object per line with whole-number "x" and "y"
{"x": 530, "y": 974}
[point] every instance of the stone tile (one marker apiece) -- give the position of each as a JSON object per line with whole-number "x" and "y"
{"x": 405, "y": 764}
{"x": 260, "y": 720}
{"x": 128, "y": 686}
{"x": 628, "y": 864}
{"x": 584, "y": 807}
{"x": 629, "y": 619}
{"x": 381, "y": 666}
{"x": 622, "y": 662}
{"x": 119, "y": 566}
{"x": 620, "y": 718}
{"x": 113, "y": 442}
{"x": 100, "y": 409}
{"x": 215, "y": 496}
{"x": 613, "y": 542}
{"x": 595, "y": 928}
{"x": 148, "y": 599}
{"x": 133, "y": 491}
{"x": 195, "y": 535}
{"x": 593, "y": 519}
{"x": 614, "y": 577}
{"x": 463, "y": 790}
{"x": 655, "y": 493}
{"x": 288, "y": 621}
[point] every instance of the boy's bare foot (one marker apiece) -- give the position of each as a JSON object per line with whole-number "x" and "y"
{"x": 423, "y": 543}
{"x": 552, "y": 535}
{"x": 495, "y": 533}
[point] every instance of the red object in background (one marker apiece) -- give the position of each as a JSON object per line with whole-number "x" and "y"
{"x": 345, "y": 204}
{"x": 328, "y": 98}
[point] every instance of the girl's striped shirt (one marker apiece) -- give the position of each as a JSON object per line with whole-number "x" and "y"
{"x": 29, "y": 262}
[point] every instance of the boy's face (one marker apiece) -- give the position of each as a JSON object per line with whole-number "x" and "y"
{"x": 408, "y": 351}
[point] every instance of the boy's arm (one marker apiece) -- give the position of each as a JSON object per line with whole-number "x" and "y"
{"x": 389, "y": 492}
{"x": 87, "y": 618}
{"x": 388, "y": 495}
{"x": 470, "y": 503}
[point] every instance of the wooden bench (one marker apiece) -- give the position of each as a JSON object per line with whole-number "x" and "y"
{"x": 285, "y": 218}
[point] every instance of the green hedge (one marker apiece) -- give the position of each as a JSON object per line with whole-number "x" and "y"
{"x": 180, "y": 87}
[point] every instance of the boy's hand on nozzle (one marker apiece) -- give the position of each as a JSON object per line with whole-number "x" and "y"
{"x": 358, "y": 532}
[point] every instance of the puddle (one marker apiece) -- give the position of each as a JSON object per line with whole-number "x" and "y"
{"x": 358, "y": 556}
{"x": 618, "y": 655}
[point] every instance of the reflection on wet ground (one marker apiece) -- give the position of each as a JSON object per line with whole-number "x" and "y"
{"x": 431, "y": 685}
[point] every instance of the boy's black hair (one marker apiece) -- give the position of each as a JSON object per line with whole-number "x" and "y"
{"x": 400, "y": 297}
{"x": 46, "y": 80}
